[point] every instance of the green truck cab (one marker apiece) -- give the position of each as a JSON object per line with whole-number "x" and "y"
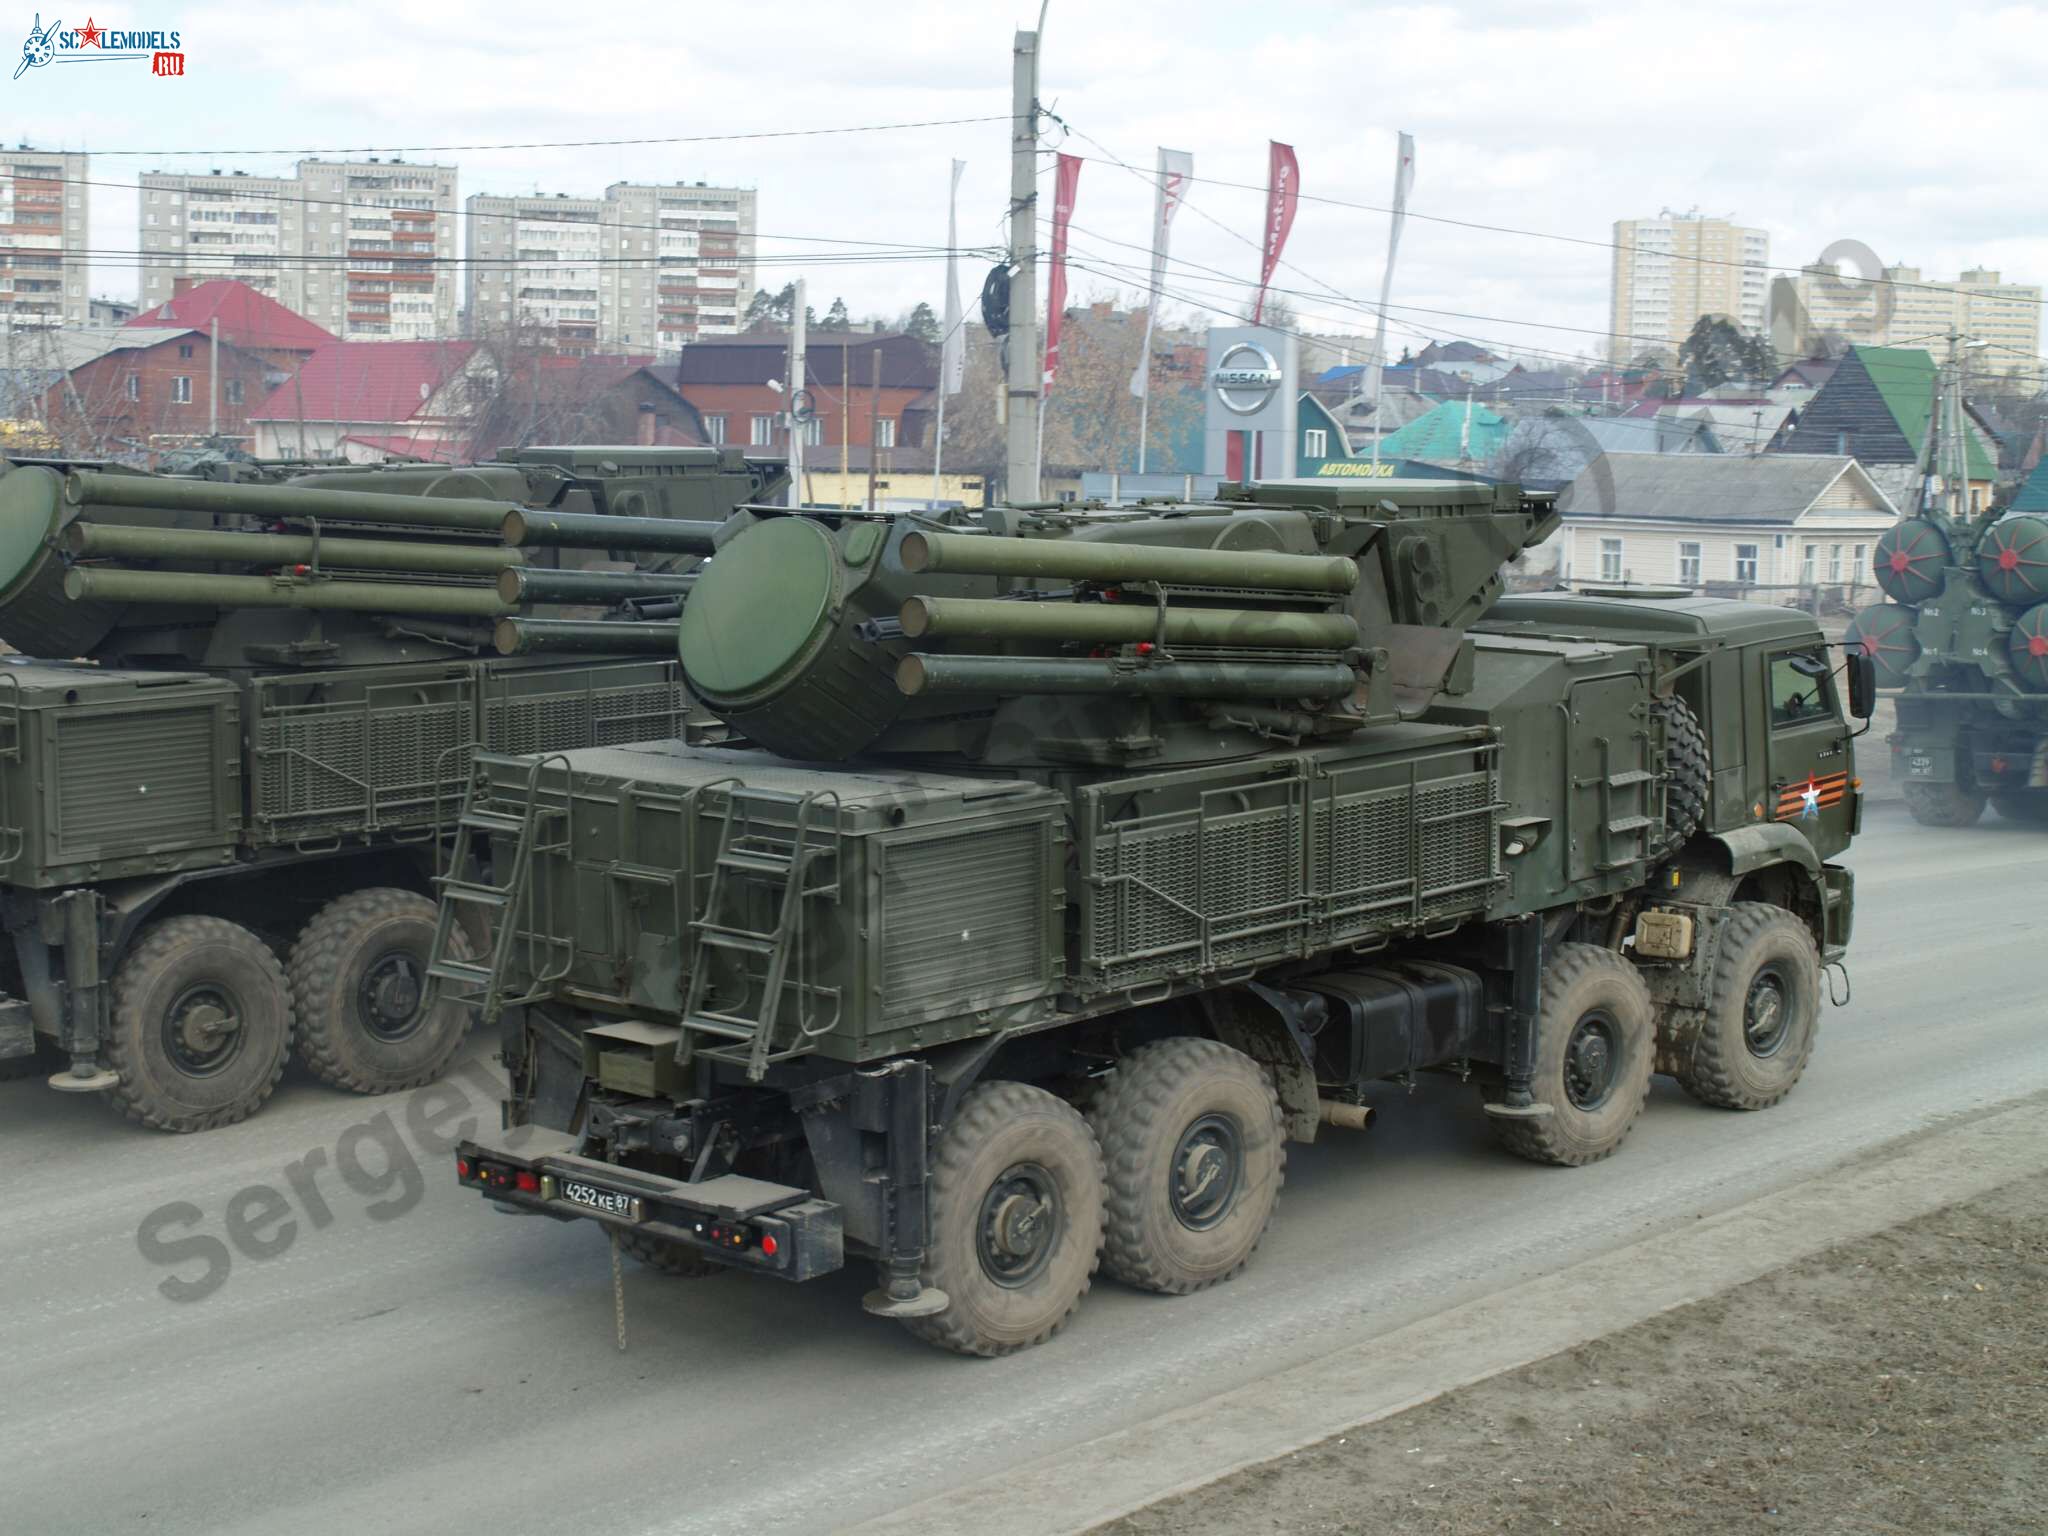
{"x": 1077, "y": 860}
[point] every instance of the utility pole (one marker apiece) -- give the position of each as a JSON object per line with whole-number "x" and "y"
{"x": 874, "y": 422}
{"x": 797, "y": 338}
{"x": 1027, "y": 368}
{"x": 845, "y": 425}
{"x": 213, "y": 380}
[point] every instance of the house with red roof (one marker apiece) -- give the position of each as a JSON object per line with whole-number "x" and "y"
{"x": 242, "y": 317}
{"x": 134, "y": 391}
{"x": 367, "y": 401}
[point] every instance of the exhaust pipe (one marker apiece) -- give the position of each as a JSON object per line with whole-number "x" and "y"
{"x": 1347, "y": 1117}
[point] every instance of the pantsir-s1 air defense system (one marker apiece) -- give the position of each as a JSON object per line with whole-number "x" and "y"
{"x": 1077, "y": 861}
{"x": 1964, "y": 637}
{"x": 242, "y": 713}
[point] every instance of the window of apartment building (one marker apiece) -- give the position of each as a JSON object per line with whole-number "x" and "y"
{"x": 1806, "y": 561}
{"x": 885, "y": 432}
{"x": 1315, "y": 443}
{"x": 1688, "y": 564}
{"x": 1610, "y": 559}
{"x": 234, "y": 391}
{"x": 814, "y": 432}
{"x": 714, "y": 429}
{"x": 761, "y": 431}
{"x": 181, "y": 389}
{"x": 1746, "y": 564}
{"x": 185, "y": 349}
{"x": 134, "y": 386}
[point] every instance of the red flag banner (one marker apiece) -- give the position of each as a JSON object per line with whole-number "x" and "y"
{"x": 1065, "y": 180}
{"x": 1283, "y": 189}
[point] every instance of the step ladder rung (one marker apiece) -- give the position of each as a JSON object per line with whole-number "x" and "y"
{"x": 460, "y": 970}
{"x": 473, "y": 893}
{"x": 724, "y": 1026}
{"x": 1623, "y": 824}
{"x": 491, "y": 821}
{"x": 1631, "y": 776}
{"x": 740, "y": 943}
{"x": 754, "y": 863}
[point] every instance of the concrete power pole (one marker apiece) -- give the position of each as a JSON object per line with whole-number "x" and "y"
{"x": 213, "y": 381}
{"x": 1027, "y": 368}
{"x": 797, "y": 338}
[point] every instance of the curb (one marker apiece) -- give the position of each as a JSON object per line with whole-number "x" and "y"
{"x": 1081, "y": 1487}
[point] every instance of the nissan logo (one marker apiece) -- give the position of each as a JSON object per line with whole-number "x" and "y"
{"x": 1245, "y": 378}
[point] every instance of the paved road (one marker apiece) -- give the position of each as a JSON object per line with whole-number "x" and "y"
{"x": 406, "y": 1360}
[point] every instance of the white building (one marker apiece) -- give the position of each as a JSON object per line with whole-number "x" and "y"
{"x": 365, "y": 248}
{"x": 1771, "y": 526}
{"x": 43, "y": 205}
{"x": 1669, "y": 271}
{"x": 645, "y": 268}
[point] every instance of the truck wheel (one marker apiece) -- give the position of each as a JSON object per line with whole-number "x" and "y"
{"x": 201, "y": 1023}
{"x": 1688, "y": 775}
{"x": 1763, "y": 1010}
{"x": 1190, "y": 1133}
{"x": 670, "y": 1258}
{"x": 357, "y": 974}
{"x": 1593, "y": 1055}
{"x": 1943, "y": 805}
{"x": 1016, "y": 1221}
{"x": 2028, "y": 806}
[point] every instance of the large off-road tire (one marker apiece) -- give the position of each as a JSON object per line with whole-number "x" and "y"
{"x": 1942, "y": 805}
{"x": 1594, "y": 1048}
{"x": 1687, "y": 773}
{"x": 1016, "y": 1220}
{"x": 200, "y": 1027}
{"x": 669, "y": 1258}
{"x": 358, "y": 972}
{"x": 2029, "y": 807}
{"x": 1191, "y": 1136}
{"x": 1763, "y": 1011}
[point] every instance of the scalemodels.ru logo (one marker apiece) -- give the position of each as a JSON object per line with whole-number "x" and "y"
{"x": 93, "y": 43}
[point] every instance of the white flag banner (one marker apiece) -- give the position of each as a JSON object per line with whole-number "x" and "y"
{"x": 1404, "y": 178}
{"x": 953, "y": 349}
{"x": 1176, "y": 170}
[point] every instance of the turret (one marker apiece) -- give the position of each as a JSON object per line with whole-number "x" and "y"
{"x": 1047, "y": 636}
{"x": 1967, "y": 609}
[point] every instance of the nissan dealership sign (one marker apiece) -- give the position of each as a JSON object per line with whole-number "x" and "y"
{"x": 1246, "y": 378}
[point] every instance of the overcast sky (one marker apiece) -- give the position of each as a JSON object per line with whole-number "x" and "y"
{"x": 1916, "y": 129}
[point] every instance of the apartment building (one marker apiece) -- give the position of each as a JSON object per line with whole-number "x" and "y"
{"x": 645, "y": 268}
{"x": 365, "y": 248}
{"x": 1670, "y": 270}
{"x": 43, "y": 277}
{"x": 1909, "y": 309}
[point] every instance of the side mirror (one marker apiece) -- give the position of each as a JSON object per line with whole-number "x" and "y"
{"x": 1862, "y": 669}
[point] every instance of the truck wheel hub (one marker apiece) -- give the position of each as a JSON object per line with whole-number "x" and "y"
{"x": 389, "y": 997}
{"x": 1590, "y": 1061}
{"x": 1020, "y": 1224}
{"x": 1765, "y": 1015}
{"x": 202, "y": 1030}
{"x": 1208, "y": 1169}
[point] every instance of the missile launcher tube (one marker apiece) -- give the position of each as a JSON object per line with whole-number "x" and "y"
{"x": 126, "y": 542}
{"x": 929, "y": 674}
{"x": 199, "y": 590}
{"x": 527, "y": 637}
{"x": 1101, "y": 561}
{"x": 523, "y": 585}
{"x": 95, "y": 488}
{"x": 1121, "y": 623}
{"x": 525, "y": 527}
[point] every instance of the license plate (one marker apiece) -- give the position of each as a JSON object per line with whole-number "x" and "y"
{"x": 611, "y": 1202}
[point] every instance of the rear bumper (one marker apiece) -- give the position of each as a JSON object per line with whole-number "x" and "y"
{"x": 744, "y": 1223}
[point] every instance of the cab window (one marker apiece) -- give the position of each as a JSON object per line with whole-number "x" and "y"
{"x": 1801, "y": 692}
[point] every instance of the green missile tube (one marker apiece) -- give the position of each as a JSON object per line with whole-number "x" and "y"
{"x": 93, "y": 487}
{"x": 125, "y": 541}
{"x": 524, "y": 637}
{"x": 524, "y": 527}
{"x": 928, "y": 674}
{"x": 525, "y": 585}
{"x": 969, "y": 554}
{"x": 1120, "y": 623}
{"x": 197, "y": 589}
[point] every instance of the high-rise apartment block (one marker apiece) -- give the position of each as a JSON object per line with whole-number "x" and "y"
{"x": 645, "y": 268}
{"x": 365, "y": 248}
{"x": 43, "y": 273}
{"x": 1905, "y": 309}
{"x": 1671, "y": 270}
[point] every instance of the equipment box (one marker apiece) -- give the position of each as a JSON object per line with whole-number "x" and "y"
{"x": 108, "y": 773}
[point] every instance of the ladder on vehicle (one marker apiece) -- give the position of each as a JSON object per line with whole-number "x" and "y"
{"x": 1624, "y": 835}
{"x": 783, "y": 868}
{"x": 485, "y": 814}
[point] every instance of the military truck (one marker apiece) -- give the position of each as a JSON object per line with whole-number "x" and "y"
{"x": 1963, "y": 636}
{"x": 1079, "y": 860}
{"x": 242, "y": 712}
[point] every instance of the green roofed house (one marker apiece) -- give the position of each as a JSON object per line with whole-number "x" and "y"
{"x": 2033, "y": 493}
{"x": 1876, "y": 408}
{"x": 1456, "y": 432}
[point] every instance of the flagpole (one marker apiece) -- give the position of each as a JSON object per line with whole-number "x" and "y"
{"x": 1404, "y": 175}
{"x": 1145, "y": 362}
{"x": 952, "y": 343}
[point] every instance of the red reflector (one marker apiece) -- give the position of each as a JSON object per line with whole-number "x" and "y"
{"x": 527, "y": 1182}
{"x": 462, "y": 1168}
{"x": 769, "y": 1245}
